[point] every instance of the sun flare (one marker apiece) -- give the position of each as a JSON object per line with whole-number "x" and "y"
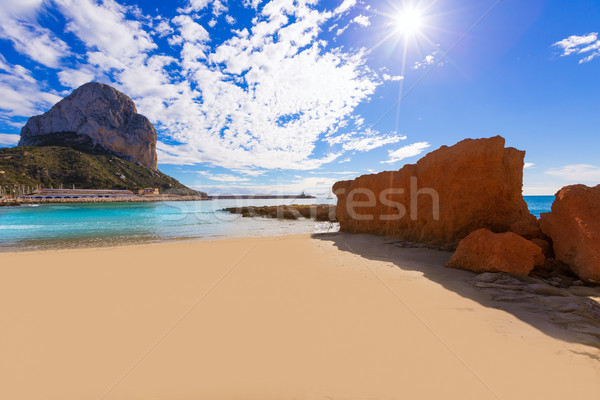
{"x": 409, "y": 22}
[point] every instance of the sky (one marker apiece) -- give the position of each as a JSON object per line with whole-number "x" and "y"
{"x": 285, "y": 96}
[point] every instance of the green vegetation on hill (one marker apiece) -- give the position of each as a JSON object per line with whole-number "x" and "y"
{"x": 52, "y": 166}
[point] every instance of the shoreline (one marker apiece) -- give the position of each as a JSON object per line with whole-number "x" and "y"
{"x": 274, "y": 317}
{"x": 145, "y": 199}
{"x": 156, "y": 242}
{"x": 19, "y": 202}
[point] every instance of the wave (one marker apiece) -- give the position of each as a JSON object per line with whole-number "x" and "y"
{"x": 20, "y": 227}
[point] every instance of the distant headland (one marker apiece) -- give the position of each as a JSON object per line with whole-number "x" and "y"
{"x": 92, "y": 139}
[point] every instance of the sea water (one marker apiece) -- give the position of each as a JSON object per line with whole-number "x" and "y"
{"x": 107, "y": 224}
{"x": 539, "y": 204}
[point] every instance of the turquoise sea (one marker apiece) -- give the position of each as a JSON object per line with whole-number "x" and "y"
{"x": 107, "y": 224}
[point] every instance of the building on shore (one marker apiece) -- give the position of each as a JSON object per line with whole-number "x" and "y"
{"x": 78, "y": 194}
{"x": 149, "y": 192}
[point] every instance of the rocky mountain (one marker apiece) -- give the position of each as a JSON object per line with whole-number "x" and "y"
{"x": 95, "y": 115}
{"x": 92, "y": 139}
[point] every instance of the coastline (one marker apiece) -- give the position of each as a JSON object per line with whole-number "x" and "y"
{"x": 273, "y": 317}
{"x": 153, "y": 199}
{"x": 143, "y": 199}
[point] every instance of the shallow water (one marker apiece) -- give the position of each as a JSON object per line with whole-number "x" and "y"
{"x": 106, "y": 224}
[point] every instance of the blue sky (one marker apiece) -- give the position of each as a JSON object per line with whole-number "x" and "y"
{"x": 293, "y": 95}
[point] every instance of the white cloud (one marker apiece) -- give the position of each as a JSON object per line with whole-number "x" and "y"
{"x": 73, "y": 78}
{"x": 20, "y": 93}
{"x": 387, "y": 77}
{"x": 345, "y": 6}
{"x": 18, "y": 23}
{"x": 252, "y": 3}
{"x": 335, "y": 172}
{"x": 269, "y": 123}
{"x": 528, "y": 165}
{"x": 364, "y": 141}
{"x": 163, "y": 29}
{"x": 194, "y": 6}
{"x": 7, "y": 139}
{"x": 190, "y": 30}
{"x": 577, "y": 173}
{"x": 222, "y": 177}
{"x": 428, "y": 60}
{"x": 540, "y": 190}
{"x": 580, "y": 45}
{"x": 106, "y": 29}
{"x": 362, "y": 20}
{"x": 571, "y": 44}
{"x": 218, "y": 8}
{"x": 230, "y": 20}
{"x": 318, "y": 186}
{"x": 405, "y": 152}
{"x": 236, "y": 103}
{"x": 342, "y": 30}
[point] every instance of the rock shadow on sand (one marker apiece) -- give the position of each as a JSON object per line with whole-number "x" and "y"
{"x": 569, "y": 314}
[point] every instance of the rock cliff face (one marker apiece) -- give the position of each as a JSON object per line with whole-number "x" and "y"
{"x": 485, "y": 251}
{"x": 101, "y": 113}
{"x": 574, "y": 226}
{"x": 446, "y": 195}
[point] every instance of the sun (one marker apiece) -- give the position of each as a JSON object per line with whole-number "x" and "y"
{"x": 408, "y": 22}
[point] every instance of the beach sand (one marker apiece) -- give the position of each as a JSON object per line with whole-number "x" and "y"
{"x": 329, "y": 317}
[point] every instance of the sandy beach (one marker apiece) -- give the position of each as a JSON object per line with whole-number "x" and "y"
{"x": 294, "y": 317}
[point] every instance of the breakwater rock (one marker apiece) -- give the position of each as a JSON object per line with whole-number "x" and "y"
{"x": 318, "y": 212}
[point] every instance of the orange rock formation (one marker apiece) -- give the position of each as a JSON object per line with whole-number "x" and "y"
{"x": 446, "y": 195}
{"x": 574, "y": 226}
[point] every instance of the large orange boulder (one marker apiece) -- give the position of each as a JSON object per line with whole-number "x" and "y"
{"x": 486, "y": 251}
{"x": 446, "y": 195}
{"x": 574, "y": 226}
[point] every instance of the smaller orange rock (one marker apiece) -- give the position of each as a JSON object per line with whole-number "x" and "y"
{"x": 485, "y": 251}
